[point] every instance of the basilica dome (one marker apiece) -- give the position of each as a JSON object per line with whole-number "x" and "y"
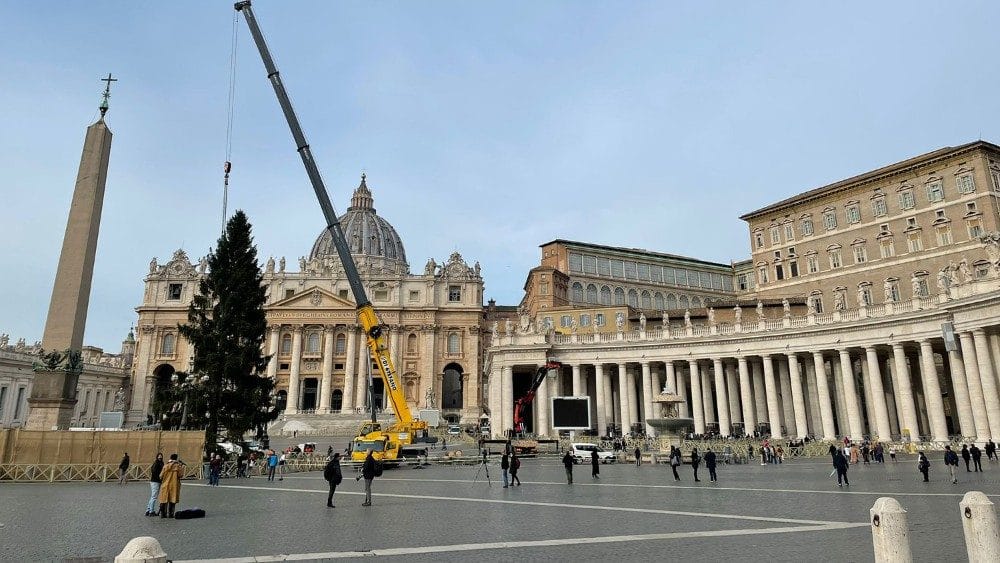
{"x": 371, "y": 238}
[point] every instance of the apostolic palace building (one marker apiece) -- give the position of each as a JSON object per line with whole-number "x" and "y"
{"x": 868, "y": 307}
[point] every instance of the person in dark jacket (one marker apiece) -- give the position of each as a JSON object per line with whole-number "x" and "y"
{"x": 123, "y": 470}
{"x": 515, "y": 464}
{"x": 368, "y": 471}
{"x": 504, "y": 467}
{"x": 924, "y": 466}
{"x": 154, "y": 485}
{"x": 977, "y": 456}
{"x": 568, "y": 464}
{"x": 638, "y": 456}
{"x": 710, "y": 464}
{"x": 840, "y": 464}
{"x": 334, "y": 476}
{"x": 951, "y": 461}
{"x": 695, "y": 462}
{"x": 675, "y": 461}
{"x": 595, "y": 465}
{"x": 966, "y": 456}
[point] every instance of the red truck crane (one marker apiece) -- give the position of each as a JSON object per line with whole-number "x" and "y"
{"x": 523, "y": 402}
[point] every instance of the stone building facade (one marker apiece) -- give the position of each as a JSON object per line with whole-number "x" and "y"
{"x": 917, "y": 357}
{"x": 318, "y": 355}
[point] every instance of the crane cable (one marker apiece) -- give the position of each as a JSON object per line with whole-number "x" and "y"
{"x": 229, "y": 120}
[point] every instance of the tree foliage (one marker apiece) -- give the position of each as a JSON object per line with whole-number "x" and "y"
{"x": 227, "y": 327}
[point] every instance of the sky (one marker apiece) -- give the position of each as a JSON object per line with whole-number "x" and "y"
{"x": 487, "y": 128}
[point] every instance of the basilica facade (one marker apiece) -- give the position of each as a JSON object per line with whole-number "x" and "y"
{"x": 319, "y": 360}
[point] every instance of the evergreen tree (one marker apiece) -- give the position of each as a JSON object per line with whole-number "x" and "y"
{"x": 227, "y": 327}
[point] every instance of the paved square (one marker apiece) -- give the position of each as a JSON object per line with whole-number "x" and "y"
{"x": 789, "y": 512}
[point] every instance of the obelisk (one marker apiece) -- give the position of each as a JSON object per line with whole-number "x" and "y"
{"x": 53, "y": 392}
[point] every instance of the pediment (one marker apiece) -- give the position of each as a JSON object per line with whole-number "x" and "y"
{"x": 312, "y": 298}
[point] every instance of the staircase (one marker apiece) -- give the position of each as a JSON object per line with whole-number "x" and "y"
{"x": 311, "y": 424}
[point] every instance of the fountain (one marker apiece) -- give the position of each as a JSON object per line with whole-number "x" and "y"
{"x": 670, "y": 425}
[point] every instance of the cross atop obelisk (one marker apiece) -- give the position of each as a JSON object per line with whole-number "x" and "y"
{"x": 107, "y": 94}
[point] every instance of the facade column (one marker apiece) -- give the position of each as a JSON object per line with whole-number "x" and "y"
{"x": 733, "y": 391}
{"x": 749, "y": 418}
{"x": 823, "y": 391}
{"x": 633, "y": 399}
{"x": 771, "y": 389}
{"x": 272, "y": 350}
{"x": 647, "y": 397}
{"x": 883, "y": 429}
{"x": 671, "y": 382}
{"x": 904, "y": 391}
{"x": 979, "y": 417}
{"x": 759, "y": 395}
{"x": 786, "y": 410}
{"x": 798, "y": 397}
{"x": 697, "y": 402}
{"x": 577, "y": 386}
{"x": 349, "y": 369}
{"x": 707, "y": 398}
{"x": 839, "y": 403}
{"x": 364, "y": 361}
{"x": 989, "y": 381}
{"x": 812, "y": 398}
{"x": 896, "y": 422}
{"x": 850, "y": 395}
{"x": 623, "y": 398}
{"x": 963, "y": 406}
{"x": 609, "y": 398}
{"x": 722, "y": 398}
{"x": 541, "y": 409}
{"x": 327, "y": 381}
{"x": 602, "y": 399}
{"x": 292, "y": 407}
{"x": 507, "y": 399}
{"x": 932, "y": 393}
{"x": 682, "y": 390}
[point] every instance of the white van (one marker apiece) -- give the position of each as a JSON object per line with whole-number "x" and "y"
{"x": 581, "y": 453}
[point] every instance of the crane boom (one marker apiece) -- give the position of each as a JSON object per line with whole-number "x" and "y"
{"x": 368, "y": 317}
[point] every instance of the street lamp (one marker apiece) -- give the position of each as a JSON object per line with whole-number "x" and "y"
{"x": 187, "y": 385}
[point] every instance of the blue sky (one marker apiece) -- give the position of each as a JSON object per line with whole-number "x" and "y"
{"x": 487, "y": 128}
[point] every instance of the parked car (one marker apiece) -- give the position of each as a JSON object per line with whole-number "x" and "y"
{"x": 581, "y": 453}
{"x": 454, "y": 430}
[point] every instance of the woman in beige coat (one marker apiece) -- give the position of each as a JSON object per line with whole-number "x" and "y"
{"x": 170, "y": 489}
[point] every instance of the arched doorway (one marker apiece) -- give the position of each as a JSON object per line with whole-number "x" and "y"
{"x": 378, "y": 394}
{"x": 281, "y": 400}
{"x": 310, "y": 387}
{"x": 162, "y": 399}
{"x": 451, "y": 387}
{"x": 337, "y": 401}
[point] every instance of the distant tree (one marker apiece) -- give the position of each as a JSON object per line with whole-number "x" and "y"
{"x": 227, "y": 327}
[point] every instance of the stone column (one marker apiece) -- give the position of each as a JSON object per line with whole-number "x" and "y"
{"x": 759, "y": 395}
{"x": 293, "y": 378}
{"x": 507, "y": 399}
{"x": 350, "y": 372}
{"x": 647, "y": 396}
{"x": 682, "y": 390}
{"x": 602, "y": 399}
{"x": 542, "y": 406}
{"x": 733, "y": 392}
{"x": 988, "y": 379}
{"x": 725, "y": 429}
{"x": 609, "y": 398}
{"x": 882, "y": 426}
{"x": 696, "y": 398}
{"x": 327, "y": 381}
{"x": 979, "y": 417}
{"x": 851, "y": 396}
{"x": 633, "y": 399}
{"x": 963, "y": 406}
{"x": 671, "y": 383}
{"x": 706, "y": 397}
{"x": 623, "y": 397}
{"x": 771, "y": 389}
{"x": 272, "y": 350}
{"x": 577, "y": 383}
{"x": 904, "y": 394}
{"x": 839, "y": 402}
{"x": 823, "y": 391}
{"x": 749, "y": 418}
{"x": 787, "y": 411}
{"x": 812, "y": 398}
{"x": 896, "y": 422}
{"x": 798, "y": 396}
{"x": 932, "y": 393}
{"x": 361, "y": 383}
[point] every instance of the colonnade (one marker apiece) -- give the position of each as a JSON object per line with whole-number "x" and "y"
{"x": 915, "y": 389}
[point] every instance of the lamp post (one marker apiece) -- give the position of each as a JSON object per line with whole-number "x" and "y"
{"x": 186, "y": 386}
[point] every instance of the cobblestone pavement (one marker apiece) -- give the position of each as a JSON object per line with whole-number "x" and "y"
{"x": 789, "y": 512}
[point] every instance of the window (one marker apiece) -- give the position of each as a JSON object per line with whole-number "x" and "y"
{"x": 860, "y": 254}
{"x": 585, "y": 320}
{"x": 658, "y": 301}
{"x": 414, "y": 296}
{"x": 793, "y": 269}
{"x": 906, "y": 200}
{"x": 835, "y": 260}
{"x": 807, "y": 226}
{"x": 922, "y": 289}
{"x": 312, "y": 343}
{"x": 911, "y": 222}
{"x": 914, "y": 242}
{"x": 684, "y": 302}
{"x": 603, "y": 267}
{"x": 935, "y": 191}
{"x": 943, "y": 235}
{"x": 996, "y": 180}
{"x": 883, "y": 229}
{"x": 19, "y": 403}
{"x": 975, "y": 229}
{"x": 982, "y": 270}
{"x": 174, "y": 291}
{"x": 286, "y": 344}
{"x": 590, "y": 264}
{"x": 340, "y": 344}
{"x": 878, "y": 207}
{"x": 939, "y": 214}
{"x": 575, "y": 262}
{"x": 633, "y": 298}
{"x": 291, "y": 292}
{"x": 762, "y": 275}
{"x": 812, "y": 264}
{"x": 605, "y": 295}
{"x": 759, "y": 237}
{"x": 853, "y": 213}
{"x": 775, "y": 235}
{"x": 592, "y": 294}
{"x": 411, "y": 343}
{"x": 893, "y": 290}
{"x": 454, "y": 344}
{"x": 577, "y": 292}
{"x": 779, "y": 272}
{"x": 817, "y": 302}
{"x": 630, "y": 270}
{"x": 970, "y": 207}
{"x": 599, "y": 319}
{"x": 543, "y": 288}
{"x": 565, "y": 320}
{"x": 167, "y": 344}
{"x": 886, "y": 248}
{"x": 830, "y": 220}
{"x": 342, "y": 293}
{"x": 656, "y": 274}
{"x": 865, "y": 294}
{"x": 789, "y": 231}
{"x": 966, "y": 185}
{"x": 743, "y": 282}
{"x": 454, "y": 293}
{"x": 619, "y": 296}
{"x": 643, "y": 271}
{"x": 646, "y": 300}
{"x": 669, "y": 276}
{"x": 381, "y": 295}
{"x": 777, "y": 255}
{"x": 617, "y": 269}
{"x": 671, "y": 302}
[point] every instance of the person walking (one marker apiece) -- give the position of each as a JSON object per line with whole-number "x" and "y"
{"x": 333, "y": 476}
{"x": 951, "y": 461}
{"x": 281, "y": 466}
{"x": 214, "y": 470}
{"x": 369, "y": 470}
{"x": 272, "y": 465}
{"x": 977, "y": 457}
{"x": 515, "y": 464}
{"x": 675, "y": 461}
{"x": 991, "y": 450}
{"x": 595, "y": 465}
{"x": 710, "y": 464}
{"x": 504, "y": 467}
{"x": 638, "y": 456}
{"x": 695, "y": 461}
{"x": 170, "y": 488}
{"x": 840, "y": 465}
{"x": 568, "y": 464}
{"x": 123, "y": 470}
{"x": 966, "y": 456}
{"x": 924, "y": 466}
{"x": 154, "y": 484}
{"x": 892, "y": 452}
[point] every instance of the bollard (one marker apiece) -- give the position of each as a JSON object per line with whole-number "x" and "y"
{"x": 143, "y": 549}
{"x": 890, "y": 536}
{"x": 979, "y": 522}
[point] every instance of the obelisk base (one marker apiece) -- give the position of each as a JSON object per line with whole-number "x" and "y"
{"x": 52, "y": 401}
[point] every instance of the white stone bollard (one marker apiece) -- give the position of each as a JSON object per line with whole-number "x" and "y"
{"x": 143, "y": 549}
{"x": 982, "y": 531}
{"x": 890, "y": 536}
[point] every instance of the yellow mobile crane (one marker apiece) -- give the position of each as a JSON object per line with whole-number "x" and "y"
{"x": 407, "y": 436}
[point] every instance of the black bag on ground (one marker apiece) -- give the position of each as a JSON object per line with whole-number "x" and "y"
{"x": 189, "y": 513}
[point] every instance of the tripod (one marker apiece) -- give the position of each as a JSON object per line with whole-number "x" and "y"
{"x": 483, "y": 466}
